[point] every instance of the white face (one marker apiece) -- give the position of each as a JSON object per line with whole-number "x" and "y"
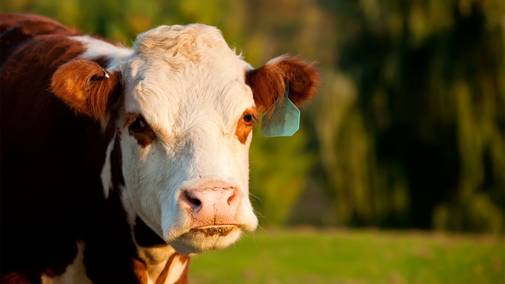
{"x": 185, "y": 132}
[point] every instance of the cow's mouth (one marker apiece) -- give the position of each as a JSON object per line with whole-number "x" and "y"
{"x": 209, "y": 231}
{"x": 204, "y": 238}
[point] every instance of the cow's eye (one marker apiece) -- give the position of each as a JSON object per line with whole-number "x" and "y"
{"x": 137, "y": 125}
{"x": 245, "y": 124}
{"x": 139, "y": 129}
{"x": 247, "y": 118}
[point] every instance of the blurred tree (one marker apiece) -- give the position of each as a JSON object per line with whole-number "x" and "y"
{"x": 430, "y": 105}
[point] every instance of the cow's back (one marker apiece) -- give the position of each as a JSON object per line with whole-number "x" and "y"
{"x": 37, "y": 128}
{"x": 36, "y": 24}
{"x": 51, "y": 158}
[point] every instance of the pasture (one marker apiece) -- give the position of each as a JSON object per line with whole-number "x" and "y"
{"x": 354, "y": 256}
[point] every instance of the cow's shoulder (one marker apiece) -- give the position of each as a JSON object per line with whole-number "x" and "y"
{"x": 18, "y": 29}
{"x": 31, "y": 25}
{"x": 32, "y": 46}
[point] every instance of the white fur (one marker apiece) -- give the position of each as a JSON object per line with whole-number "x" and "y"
{"x": 96, "y": 48}
{"x": 131, "y": 215}
{"x": 75, "y": 273}
{"x": 106, "y": 174}
{"x": 275, "y": 60}
{"x": 190, "y": 88}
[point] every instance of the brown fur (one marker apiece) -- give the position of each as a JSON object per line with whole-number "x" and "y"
{"x": 244, "y": 128}
{"x": 32, "y": 24}
{"x": 145, "y": 135}
{"x": 51, "y": 166}
{"x": 140, "y": 271}
{"x": 268, "y": 82}
{"x": 83, "y": 86}
{"x": 14, "y": 278}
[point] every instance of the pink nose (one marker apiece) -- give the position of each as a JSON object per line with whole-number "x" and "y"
{"x": 212, "y": 203}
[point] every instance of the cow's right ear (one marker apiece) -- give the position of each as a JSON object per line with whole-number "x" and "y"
{"x": 268, "y": 83}
{"x": 86, "y": 87}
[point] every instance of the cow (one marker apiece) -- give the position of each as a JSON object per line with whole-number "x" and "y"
{"x": 118, "y": 164}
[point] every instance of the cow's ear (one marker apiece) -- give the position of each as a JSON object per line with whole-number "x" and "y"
{"x": 269, "y": 81}
{"x": 86, "y": 87}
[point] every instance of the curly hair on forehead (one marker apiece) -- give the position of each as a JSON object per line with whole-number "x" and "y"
{"x": 181, "y": 43}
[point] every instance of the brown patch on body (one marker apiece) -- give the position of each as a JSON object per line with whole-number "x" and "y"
{"x": 34, "y": 122}
{"x": 211, "y": 231}
{"x": 140, "y": 271}
{"x": 32, "y": 25}
{"x": 245, "y": 124}
{"x": 268, "y": 82}
{"x": 47, "y": 146}
{"x": 14, "y": 278}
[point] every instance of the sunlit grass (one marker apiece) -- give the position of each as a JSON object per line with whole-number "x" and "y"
{"x": 310, "y": 256}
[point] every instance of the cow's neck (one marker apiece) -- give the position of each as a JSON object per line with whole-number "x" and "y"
{"x": 160, "y": 265}
{"x": 154, "y": 260}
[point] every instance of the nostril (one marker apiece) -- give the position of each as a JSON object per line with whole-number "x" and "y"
{"x": 231, "y": 198}
{"x": 193, "y": 202}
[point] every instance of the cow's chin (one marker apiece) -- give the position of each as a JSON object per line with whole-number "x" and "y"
{"x": 202, "y": 239}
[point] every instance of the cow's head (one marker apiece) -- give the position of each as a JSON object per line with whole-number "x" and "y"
{"x": 184, "y": 118}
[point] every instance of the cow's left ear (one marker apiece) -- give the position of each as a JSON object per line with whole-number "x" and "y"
{"x": 268, "y": 83}
{"x": 86, "y": 87}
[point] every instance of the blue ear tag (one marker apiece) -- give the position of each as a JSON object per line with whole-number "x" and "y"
{"x": 285, "y": 119}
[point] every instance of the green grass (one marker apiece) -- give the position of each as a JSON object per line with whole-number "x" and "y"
{"x": 310, "y": 256}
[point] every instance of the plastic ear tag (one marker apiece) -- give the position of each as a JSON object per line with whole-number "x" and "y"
{"x": 285, "y": 119}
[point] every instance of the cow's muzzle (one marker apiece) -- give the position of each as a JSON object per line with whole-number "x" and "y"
{"x": 212, "y": 207}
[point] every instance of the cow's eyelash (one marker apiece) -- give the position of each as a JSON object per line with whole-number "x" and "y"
{"x": 255, "y": 120}
{"x": 128, "y": 122}
{"x": 131, "y": 118}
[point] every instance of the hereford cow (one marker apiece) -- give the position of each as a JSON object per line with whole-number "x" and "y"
{"x": 118, "y": 164}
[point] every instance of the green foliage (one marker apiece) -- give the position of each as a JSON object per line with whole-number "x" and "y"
{"x": 279, "y": 169}
{"x": 423, "y": 143}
